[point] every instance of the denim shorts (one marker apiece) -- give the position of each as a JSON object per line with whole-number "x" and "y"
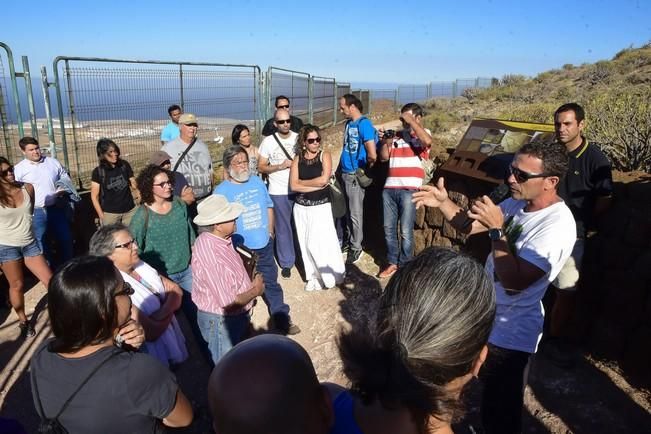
{"x": 12, "y": 253}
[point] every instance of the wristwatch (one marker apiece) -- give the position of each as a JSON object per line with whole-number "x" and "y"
{"x": 495, "y": 234}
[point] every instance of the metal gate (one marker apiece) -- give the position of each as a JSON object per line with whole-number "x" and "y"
{"x": 127, "y": 101}
{"x": 293, "y": 84}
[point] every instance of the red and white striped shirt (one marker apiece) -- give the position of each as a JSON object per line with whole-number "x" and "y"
{"x": 218, "y": 274}
{"x": 405, "y": 168}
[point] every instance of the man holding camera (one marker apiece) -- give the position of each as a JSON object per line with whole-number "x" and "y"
{"x": 358, "y": 154}
{"x": 404, "y": 150}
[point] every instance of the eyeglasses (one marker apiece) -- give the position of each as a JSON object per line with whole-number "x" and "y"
{"x": 191, "y": 125}
{"x": 7, "y": 170}
{"x": 283, "y": 121}
{"x": 163, "y": 184}
{"x": 522, "y": 176}
{"x": 310, "y": 141}
{"x": 286, "y": 106}
{"x": 126, "y": 245}
{"x": 127, "y": 289}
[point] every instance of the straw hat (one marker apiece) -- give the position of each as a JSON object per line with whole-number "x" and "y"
{"x": 216, "y": 209}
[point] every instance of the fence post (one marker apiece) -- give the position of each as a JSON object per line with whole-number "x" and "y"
{"x": 48, "y": 112}
{"x": 71, "y": 104}
{"x": 30, "y": 97}
{"x": 310, "y": 99}
{"x": 454, "y": 88}
{"x": 14, "y": 88}
{"x": 181, "y": 87}
{"x": 4, "y": 125}
{"x": 62, "y": 121}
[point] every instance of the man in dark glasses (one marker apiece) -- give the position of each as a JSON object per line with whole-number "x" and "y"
{"x": 282, "y": 103}
{"x": 587, "y": 189}
{"x": 532, "y": 235}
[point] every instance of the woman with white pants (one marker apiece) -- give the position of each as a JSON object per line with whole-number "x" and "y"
{"x": 309, "y": 179}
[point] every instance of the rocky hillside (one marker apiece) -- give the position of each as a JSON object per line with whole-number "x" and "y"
{"x": 616, "y": 94}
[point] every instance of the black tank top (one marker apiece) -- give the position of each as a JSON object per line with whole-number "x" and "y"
{"x": 310, "y": 169}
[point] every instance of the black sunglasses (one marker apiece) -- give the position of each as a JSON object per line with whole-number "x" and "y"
{"x": 283, "y": 121}
{"x": 126, "y": 245}
{"x": 310, "y": 141}
{"x": 7, "y": 170}
{"x": 127, "y": 289}
{"x": 283, "y": 106}
{"x": 522, "y": 176}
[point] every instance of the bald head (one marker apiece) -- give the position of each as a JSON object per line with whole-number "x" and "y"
{"x": 268, "y": 384}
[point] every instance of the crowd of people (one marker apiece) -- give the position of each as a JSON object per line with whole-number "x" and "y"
{"x": 169, "y": 241}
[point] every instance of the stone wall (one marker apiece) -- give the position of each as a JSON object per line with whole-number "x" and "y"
{"x": 612, "y": 318}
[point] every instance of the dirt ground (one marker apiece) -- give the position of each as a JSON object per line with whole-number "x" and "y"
{"x": 590, "y": 398}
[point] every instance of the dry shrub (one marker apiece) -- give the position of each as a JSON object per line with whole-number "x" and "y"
{"x": 620, "y": 120}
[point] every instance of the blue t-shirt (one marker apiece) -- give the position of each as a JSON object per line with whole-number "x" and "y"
{"x": 253, "y": 223}
{"x": 170, "y": 132}
{"x": 356, "y": 134}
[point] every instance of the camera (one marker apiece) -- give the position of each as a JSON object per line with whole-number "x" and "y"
{"x": 389, "y": 134}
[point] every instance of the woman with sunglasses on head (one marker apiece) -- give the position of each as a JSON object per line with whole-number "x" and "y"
{"x": 429, "y": 339}
{"x": 242, "y": 136}
{"x": 82, "y": 380}
{"x": 17, "y": 242}
{"x": 309, "y": 177}
{"x": 111, "y": 184}
{"x": 155, "y": 297}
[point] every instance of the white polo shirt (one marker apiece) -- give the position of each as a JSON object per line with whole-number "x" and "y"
{"x": 42, "y": 175}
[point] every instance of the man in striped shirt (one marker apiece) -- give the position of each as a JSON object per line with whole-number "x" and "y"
{"x": 404, "y": 151}
{"x": 222, "y": 289}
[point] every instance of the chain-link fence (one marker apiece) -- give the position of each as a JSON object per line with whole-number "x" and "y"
{"x": 10, "y": 126}
{"x": 127, "y": 101}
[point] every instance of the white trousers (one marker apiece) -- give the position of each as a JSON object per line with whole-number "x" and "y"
{"x": 320, "y": 249}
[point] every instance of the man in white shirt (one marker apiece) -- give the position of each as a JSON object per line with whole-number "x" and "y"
{"x": 532, "y": 235}
{"x": 50, "y": 222}
{"x": 276, "y": 155}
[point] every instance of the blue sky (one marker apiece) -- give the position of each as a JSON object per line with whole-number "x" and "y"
{"x": 403, "y": 41}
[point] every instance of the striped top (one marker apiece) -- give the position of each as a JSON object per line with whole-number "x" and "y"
{"x": 218, "y": 275}
{"x": 405, "y": 168}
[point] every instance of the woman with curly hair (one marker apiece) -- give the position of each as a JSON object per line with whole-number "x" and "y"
{"x": 309, "y": 177}
{"x": 428, "y": 341}
{"x": 111, "y": 184}
{"x": 17, "y": 242}
{"x": 160, "y": 227}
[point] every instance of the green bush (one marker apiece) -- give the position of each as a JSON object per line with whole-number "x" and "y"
{"x": 620, "y": 120}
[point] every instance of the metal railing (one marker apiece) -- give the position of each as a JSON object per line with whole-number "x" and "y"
{"x": 323, "y": 93}
{"x": 127, "y": 101}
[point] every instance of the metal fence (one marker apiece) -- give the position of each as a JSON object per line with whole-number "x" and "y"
{"x": 293, "y": 84}
{"x": 323, "y": 92}
{"x": 127, "y": 101}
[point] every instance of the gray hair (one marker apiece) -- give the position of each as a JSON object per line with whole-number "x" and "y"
{"x": 102, "y": 243}
{"x": 435, "y": 317}
{"x": 230, "y": 153}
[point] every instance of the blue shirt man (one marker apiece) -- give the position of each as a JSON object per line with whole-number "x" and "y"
{"x": 171, "y": 130}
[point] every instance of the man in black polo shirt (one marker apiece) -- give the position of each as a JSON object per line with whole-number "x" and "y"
{"x": 587, "y": 190}
{"x": 282, "y": 103}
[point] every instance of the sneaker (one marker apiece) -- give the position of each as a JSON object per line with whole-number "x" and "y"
{"x": 293, "y": 329}
{"x": 312, "y": 285}
{"x": 354, "y": 256}
{"x": 26, "y": 330}
{"x": 286, "y": 273}
{"x": 388, "y": 271}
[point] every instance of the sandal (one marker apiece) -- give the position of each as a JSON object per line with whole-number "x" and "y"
{"x": 26, "y": 329}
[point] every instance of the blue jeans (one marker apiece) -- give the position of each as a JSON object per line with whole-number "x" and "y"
{"x": 222, "y": 332}
{"x": 273, "y": 292}
{"x": 284, "y": 242}
{"x": 398, "y": 206}
{"x": 50, "y": 223}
